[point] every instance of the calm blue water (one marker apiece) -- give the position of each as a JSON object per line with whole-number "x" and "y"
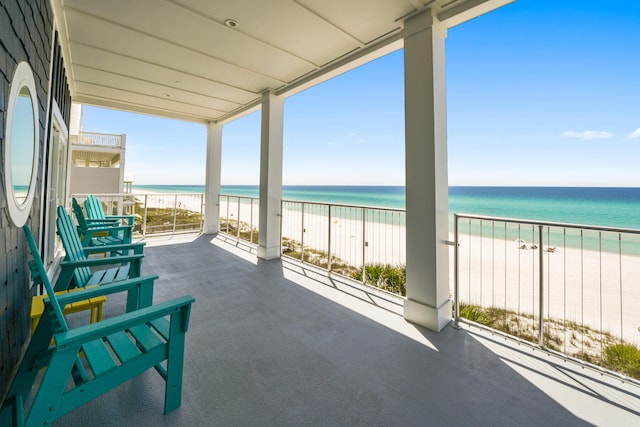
{"x": 611, "y": 207}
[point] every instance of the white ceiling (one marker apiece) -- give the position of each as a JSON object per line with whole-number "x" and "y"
{"x": 178, "y": 58}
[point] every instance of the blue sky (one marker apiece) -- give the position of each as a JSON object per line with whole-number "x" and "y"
{"x": 540, "y": 92}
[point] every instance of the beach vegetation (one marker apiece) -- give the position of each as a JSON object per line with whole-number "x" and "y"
{"x": 319, "y": 258}
{"x": 576, "y": 340}
{"x": 389, "y": 277}
{"x": 241, "y": 229}
{"x": 624, "y": 358}
{"x": 162, "y": 220}
{"x": 476, "y": 314}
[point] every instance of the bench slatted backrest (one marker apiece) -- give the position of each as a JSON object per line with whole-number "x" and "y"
{"x": 72, "y": 246}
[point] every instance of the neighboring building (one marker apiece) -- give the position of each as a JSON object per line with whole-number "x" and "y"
{"x": 97, "y": 163}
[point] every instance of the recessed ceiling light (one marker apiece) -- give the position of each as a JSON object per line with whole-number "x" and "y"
{"x": 231, "y": 23}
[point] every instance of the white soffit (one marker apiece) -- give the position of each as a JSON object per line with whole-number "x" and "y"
{"x": 178, "y": 58}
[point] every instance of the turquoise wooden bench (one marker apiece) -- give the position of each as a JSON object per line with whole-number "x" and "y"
{"x": 65, "y": 368}
{"x": 95, "y": 211}
{"x": 78, "y": 270}
{"x": 99, "y": 233}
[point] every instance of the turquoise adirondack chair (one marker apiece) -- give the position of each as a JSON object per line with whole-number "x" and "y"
{"x": 64, "y": 368}
{"x": 95, "y": 211}
{"x": 100, "y": 232}
{"x": 78, "y": 270}
{"x": 78, "y": 210}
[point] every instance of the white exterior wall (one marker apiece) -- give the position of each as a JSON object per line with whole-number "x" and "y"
{"x": 95, "y": 180}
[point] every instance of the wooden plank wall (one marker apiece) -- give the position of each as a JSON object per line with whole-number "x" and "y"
{"x": 26, "y": 31}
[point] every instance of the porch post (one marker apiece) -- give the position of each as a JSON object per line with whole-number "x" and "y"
{"x": 427, "y": 223}
{"x": 212, "y": 179}
{"x": 270, "y": 175}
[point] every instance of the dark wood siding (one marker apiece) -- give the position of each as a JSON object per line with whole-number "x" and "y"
{"x": 26, "y": 31}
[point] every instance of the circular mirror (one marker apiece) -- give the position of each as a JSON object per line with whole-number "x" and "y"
{"x": 21, "y": 144}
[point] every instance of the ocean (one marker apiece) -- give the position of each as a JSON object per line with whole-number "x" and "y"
{"x": 599, "y": 206}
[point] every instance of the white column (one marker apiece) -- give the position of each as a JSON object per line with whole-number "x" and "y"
{"x": 270, "y": 175}
{"x": 428, "y": 302}
{"x": 212, "y": 179}
{"x": 123, "y": 148}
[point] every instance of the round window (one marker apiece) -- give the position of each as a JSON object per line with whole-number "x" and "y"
{"x": 21, "y": 145}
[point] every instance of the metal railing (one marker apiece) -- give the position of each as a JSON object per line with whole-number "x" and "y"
{"x": 572, "y": 289}
{"x": 101, "y": 139}
{"x": 156, "y": 213}
{"x": 364, "y": 243}
{"x": 360, "y": 242}
{"x": 238, "y": 217}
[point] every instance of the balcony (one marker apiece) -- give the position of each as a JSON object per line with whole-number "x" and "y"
{"x": 281, "y": 343}
{"x": 98, "y": 139}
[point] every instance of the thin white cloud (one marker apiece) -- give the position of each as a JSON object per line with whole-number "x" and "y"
{"x": 633, "y": 135}
{"x": 587, "y": 135}
{"x": 360, "y": 141}
{"x": 331, "y": 143}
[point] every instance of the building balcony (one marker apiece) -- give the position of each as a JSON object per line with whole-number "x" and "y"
{"x": 280, "y": 343}
{"x": 98, "y": 139}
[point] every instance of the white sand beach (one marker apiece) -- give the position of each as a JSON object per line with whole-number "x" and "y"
{"x": 596, "y": 289}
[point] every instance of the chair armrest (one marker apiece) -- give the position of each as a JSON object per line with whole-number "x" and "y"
{"x": 102, "y": 227}
{"x": 87, "y": 333}
{"x": 117, "y": 217}
{"x": 98, "y": 291}
{"x": 94, "y": 262}
{"x": 105, "y": 221}
{"x": 137, "y": 248}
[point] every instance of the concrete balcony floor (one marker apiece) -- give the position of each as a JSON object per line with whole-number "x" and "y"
{"x": 273, "y": 344}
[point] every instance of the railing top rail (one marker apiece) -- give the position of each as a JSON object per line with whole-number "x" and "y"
{"x": 96, "y": 138}
{"x": 307, "y": 202}
{"x": 239, "y": 196}
{"x": 458, "y": 216}
{"x": 341, "y": 205}
{"x": 99, "y": 195}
